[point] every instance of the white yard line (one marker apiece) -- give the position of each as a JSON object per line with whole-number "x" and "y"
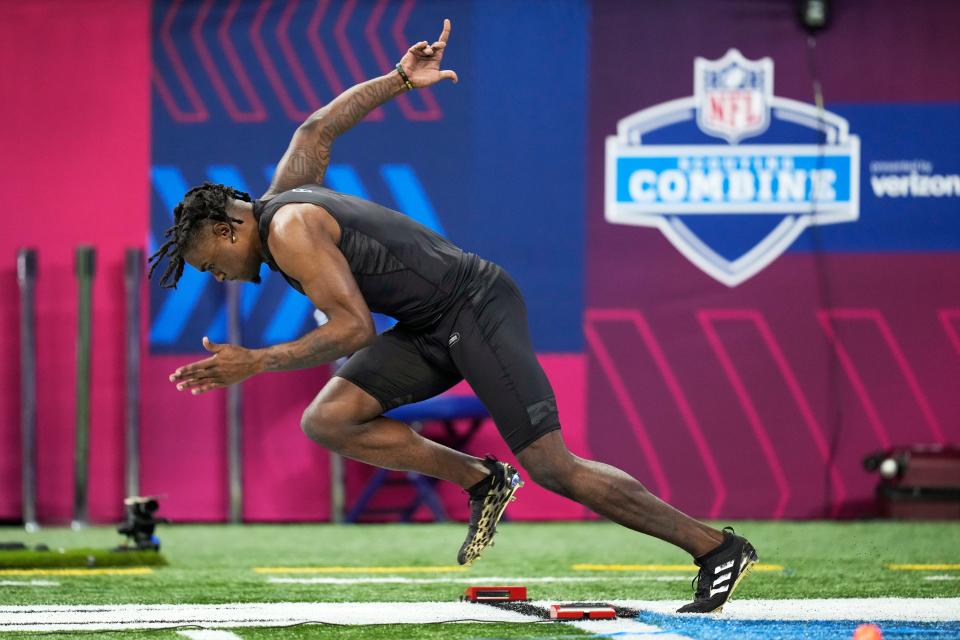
{"x": 28, "y": 583}
{"x": 102, "y": 617}
{"x": 489, "y": 580}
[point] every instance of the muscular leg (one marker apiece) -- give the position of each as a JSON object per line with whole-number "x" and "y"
{"x": 347, "y": 420}
{"x": 496, "y": 357}
{"x": 614, "y": 495}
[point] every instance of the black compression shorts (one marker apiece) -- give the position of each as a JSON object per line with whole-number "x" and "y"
{"x": 484, "y": 339}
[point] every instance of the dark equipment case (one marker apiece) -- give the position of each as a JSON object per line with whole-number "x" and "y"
{"x": 919, "y": 482}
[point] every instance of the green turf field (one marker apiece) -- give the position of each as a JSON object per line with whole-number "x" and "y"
{"x": 416, "y": 563}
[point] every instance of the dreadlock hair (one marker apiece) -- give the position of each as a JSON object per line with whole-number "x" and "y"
{"x": 207, "y": 202}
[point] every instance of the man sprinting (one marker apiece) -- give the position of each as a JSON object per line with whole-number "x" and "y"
{"x": 459, "y": 317}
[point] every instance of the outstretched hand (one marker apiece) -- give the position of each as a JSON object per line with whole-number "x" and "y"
{"x": 228, "y": 365}
{"x": 421, "y": 62}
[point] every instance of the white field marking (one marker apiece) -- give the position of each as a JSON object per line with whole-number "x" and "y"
{"x": 474, "y": 581}
{"x": 103, "y": 617}
{"x": 28, "y": 583}
{"x": 439, "y": 569}
{"x": 941, "y": 577}
{"x": 209, "y": 634}
{"x": 135, "y": 616}
{"x": 875, "y": 609}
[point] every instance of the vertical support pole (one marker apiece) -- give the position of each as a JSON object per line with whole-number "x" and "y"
{"x": 81, "y": 457}
{"x": 133, "y": 278}
{"x": 338, "y": 500}
{"x": 235, "y": 411}
{"x": 26, "y": 279}
{"x": 337, "y": 497}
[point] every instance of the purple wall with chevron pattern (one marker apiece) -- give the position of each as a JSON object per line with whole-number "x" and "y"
{"x": 760, "y": 400}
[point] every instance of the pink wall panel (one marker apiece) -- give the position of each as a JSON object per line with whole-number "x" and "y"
{"x": 788, "y": 396}
{"x": 286, "y": 475}
{"x": 567, "y": 375}
{"x": 73, "y": 160}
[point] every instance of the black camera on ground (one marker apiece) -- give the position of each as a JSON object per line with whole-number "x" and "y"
{"x": 141, "y": 524}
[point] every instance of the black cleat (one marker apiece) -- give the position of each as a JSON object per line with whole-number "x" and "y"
{"x": 721, "y": 570}
{"x": 488, "y": 499}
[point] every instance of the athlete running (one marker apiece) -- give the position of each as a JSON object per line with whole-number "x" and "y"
{"x": 459, "y": 317}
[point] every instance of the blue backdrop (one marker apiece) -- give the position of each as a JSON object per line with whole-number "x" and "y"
{"x": 495, "y": 163}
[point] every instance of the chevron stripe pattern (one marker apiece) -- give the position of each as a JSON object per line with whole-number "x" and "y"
{"x": 230, "y": 80}
{"x": 259, "y": 60}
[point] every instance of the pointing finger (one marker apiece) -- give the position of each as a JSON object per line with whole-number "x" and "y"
{"x": 446, "y": 30}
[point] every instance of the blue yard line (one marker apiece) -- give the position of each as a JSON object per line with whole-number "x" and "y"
{"x": 410, "y": 196}
{"x": 178, "y": 303}
{"x": 708, "y": 628}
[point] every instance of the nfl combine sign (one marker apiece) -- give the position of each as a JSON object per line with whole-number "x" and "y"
{"x": 732, "y": 208}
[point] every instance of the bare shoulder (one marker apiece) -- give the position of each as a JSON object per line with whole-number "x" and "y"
{"x": 298, "y": 220}
{"x": 303, "y": 237}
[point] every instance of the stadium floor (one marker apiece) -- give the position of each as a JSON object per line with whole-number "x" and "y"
{"x": 816, "y": 580}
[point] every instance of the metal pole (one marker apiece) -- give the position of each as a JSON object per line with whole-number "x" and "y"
{"x": 26, "y": 278}
{"x": 133, "y": 277}
{"x": 81, "y": 458}
{"x": 337, "y": 497}
{"x": 338, "y": 500}
{"x": 235, "y": 411}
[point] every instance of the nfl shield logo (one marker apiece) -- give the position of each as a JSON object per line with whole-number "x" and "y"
{"x": 732, "y": 209}
{"x": 733, "y": 95}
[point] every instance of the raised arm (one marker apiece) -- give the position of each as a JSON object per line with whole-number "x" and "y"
{"x": 308, "y": 154}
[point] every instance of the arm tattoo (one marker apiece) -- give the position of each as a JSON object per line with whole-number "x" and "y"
{"x": 301, "y": 165}
{"x": 352, "y": 105}
{"x": 320, "y": 346}
{"x": 307, "y": 162}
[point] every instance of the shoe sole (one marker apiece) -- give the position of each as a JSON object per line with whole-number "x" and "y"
{"x": 743, "y": 574}
{"x": 484, "y": 539}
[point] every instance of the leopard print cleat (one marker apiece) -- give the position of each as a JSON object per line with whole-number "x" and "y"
{"x": 488, "y": 499}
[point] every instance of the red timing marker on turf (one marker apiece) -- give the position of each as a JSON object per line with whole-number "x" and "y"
{"x": 501, "y": 594}
{"x": 579, "y": 612}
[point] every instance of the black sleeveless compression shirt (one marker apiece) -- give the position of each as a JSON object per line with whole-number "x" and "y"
{"x": 403, "y": 269}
